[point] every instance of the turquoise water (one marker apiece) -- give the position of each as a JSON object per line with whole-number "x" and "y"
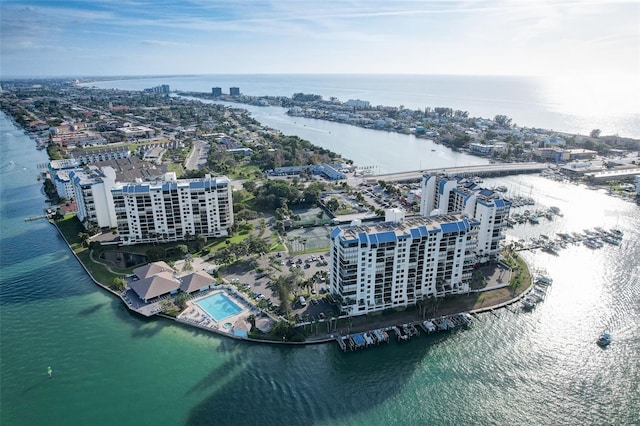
{"x": 219, "y": 306}
{"x": 113, "y": 367}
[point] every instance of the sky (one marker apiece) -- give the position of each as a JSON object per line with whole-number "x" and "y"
{"x": 159, "y": 37}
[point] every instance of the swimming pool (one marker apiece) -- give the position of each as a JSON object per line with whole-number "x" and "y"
{"x": 219, "y": 306}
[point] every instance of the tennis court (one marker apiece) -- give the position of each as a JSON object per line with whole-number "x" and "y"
{"x": 304, "y": 239}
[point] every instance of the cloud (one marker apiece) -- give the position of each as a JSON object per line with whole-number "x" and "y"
{"x": 499, "y": 36}
{"x": 163, "y": 43}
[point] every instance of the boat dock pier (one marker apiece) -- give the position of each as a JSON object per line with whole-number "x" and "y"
{"x": 31, "y": 218}
{"x": 353, "y": 342}
{"x": 403, "y": 332}
{"x": 537, "y": 293}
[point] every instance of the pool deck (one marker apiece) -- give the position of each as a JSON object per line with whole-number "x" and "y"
{"x": 196, "y": 315}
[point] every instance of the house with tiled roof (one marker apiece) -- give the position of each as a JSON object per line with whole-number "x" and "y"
{"x": 198, "y": 281}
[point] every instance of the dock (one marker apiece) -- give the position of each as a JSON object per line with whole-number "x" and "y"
{"x": 356, "y": 341}
{"x": 31, "y": 218}
{"x": 403, "y": 332}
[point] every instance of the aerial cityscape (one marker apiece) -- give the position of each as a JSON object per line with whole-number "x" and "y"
{"x": 344, "y": 239}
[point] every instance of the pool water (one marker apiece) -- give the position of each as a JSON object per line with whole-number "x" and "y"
{"x": 219, "y": 306}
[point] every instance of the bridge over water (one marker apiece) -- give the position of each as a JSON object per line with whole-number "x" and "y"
{"x": 484, "y": 170}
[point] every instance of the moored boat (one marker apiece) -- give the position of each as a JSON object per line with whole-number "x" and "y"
{"x": 592, "y": 243}
{"x": 604, "y": 339}
{"x": 551, "y": 248}
{"x": 543, "y": 279}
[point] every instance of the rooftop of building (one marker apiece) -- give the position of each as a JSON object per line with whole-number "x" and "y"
{"x": 169, "y": 181}
{"x": 465, "y": 186}
{"x": 133, "y": 168}
{"x": 91, "y": 174}
{"x": 631, "y": 171}
{"x": 414, "y": 227}
{"x": 67, "y": 163}
{"x": 82, "y": 152}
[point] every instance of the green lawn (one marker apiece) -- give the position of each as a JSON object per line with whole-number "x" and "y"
{"x": 99, "y": 272}
{"x": 241, "y": 235}
{"x": 70, "y": 227}
{"x": 277, "y": 247}
{"x": 245, "y": 171}
{"x": 175, "y": 167}
{"x": 310, "y": 251}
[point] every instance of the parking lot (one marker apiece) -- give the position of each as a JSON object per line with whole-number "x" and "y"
{"x": 256, "y": 282}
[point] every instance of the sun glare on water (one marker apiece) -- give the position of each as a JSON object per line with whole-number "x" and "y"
{"x": 593, "y": 95}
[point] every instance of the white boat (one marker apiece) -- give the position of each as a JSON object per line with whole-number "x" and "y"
{"x": 543, "y": 279}
{"x": 429, "y": 326}
{"x": 604, "y": 339}
{"x": 611, "y": 240}
{"x": 550, "y": 248}
{"x": 466, "y": 318}
{"x": 528, "y": 303}
{"x": 592, "y": 243}
{"x": 616, "y": 233}
{"x": 555, "y": 210}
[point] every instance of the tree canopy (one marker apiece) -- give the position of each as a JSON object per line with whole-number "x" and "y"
{"x": 277, "y": 193}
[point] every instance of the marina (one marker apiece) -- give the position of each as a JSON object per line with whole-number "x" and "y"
{"x": 404, "y": 332}
{"x": 593, "y": 238}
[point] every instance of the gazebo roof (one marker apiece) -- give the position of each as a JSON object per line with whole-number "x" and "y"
{"x": 151, "y": 269}
{"x": 195, "y": 281}
{"x": 156, "y": 285}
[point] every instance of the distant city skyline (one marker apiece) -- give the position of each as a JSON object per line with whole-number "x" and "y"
{"x": 139, "y": 37}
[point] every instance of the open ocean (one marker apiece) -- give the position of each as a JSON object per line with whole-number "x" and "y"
{"x": 111, "y": 367}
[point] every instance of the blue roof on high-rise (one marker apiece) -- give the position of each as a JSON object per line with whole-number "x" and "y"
{"x": 335, "y": 232}
{"x": 441, "y": 185}
{"x": 451, "y": 227}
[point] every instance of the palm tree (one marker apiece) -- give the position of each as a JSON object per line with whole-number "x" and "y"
{"x": 252, "y": 320}
{"x": 84, "y": 238}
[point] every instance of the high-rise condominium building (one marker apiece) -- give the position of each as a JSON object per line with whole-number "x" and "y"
{"x": 394, "y": 264}
{"x": 91, "y": 187}
{"x": 172, "y": 209}
{"x": 443, "y": 194}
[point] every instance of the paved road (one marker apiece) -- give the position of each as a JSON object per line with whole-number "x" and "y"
{"x": 479, "y": 170}
{"x": 198, "y": 155}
